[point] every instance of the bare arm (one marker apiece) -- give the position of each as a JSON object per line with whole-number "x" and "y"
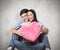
{"x": 14, "y": 31}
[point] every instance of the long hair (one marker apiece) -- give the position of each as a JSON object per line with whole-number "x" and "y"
{"x": 34, "y": 13}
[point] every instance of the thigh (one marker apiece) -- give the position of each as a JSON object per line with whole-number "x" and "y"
{"x": 21, "y": 46}
{"x": 39, "y": 46}
{"x": 46, "y": 41}
{"x": 14, "y": 37}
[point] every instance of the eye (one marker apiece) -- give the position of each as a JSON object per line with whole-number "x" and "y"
{"x": 25, "y": 15}
{"x": 30, "y": 14}
{"x": 21, "y": 16}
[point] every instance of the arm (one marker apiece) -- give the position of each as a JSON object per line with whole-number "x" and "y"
{"x": 44, "y": 30}
{"x": 16, "y": 28}
{"x": 14, "y": 31}
{"x": 18, "y": 24}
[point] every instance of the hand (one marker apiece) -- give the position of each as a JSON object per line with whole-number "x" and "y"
{"x": 45, "y": 30}
{"x": 19, "y": 33}
{"x": 13, "y": 30}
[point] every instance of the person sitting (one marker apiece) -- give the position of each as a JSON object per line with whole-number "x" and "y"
{"x": 42, "y": 40}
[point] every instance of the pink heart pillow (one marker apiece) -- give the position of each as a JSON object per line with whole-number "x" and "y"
{"x": 31, "y": 31}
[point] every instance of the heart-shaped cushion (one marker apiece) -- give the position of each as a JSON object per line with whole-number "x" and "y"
{"x": 31, "y": 31}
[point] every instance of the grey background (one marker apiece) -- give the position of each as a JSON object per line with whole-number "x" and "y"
{"x": 48, "y": 12}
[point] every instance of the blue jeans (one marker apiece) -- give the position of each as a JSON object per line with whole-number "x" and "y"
{"x": 22, "y": 46}
{"x": 39, "y": 46}
{"x": 46, "y": 41}
{"x": 14, "y": 37}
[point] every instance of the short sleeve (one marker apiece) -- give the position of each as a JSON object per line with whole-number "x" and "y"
{"x": 42, "y": 26}
{"x": 18, "y": 24}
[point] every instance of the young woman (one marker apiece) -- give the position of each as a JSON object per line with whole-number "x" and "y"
{"x": 43, "y": 37}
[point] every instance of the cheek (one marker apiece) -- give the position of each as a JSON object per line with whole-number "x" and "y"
{"x": 31, "y": 19}
{"x": 24, "y": 18}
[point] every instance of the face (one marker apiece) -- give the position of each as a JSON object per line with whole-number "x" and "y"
{"x": 24, "y": 17}
{"x": 30, "y": 16}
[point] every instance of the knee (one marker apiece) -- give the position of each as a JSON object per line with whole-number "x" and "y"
{"x": 16, "y": 42}
{"x": 41, "y": 45}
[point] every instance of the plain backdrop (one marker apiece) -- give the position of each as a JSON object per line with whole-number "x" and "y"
{"x": 48, "y": 13}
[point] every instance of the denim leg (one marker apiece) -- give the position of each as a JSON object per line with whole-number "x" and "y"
{"x": 46, "y": 41}
{"x": 21, "y": 46}
{"x": 39, "y": 46}
{"x": 14, "y": 37}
